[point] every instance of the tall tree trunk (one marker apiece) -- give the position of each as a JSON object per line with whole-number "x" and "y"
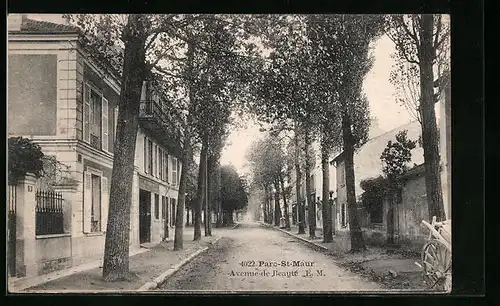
{"x": 357, "y": 241}
{"x": 187, "y": 217}
{"x": 311, "y": 203}
{"x": 272, "y": 212}
{"x": 264, "y": 206}
{"x": 298, "y": 177}
{"x": 186, "y": 157}
{"x": 277, "y": 208}
{"x": 430, "y": 135}
{"x": 201, "y": 189}
{"x": 285, "y": 204}
{"x": 218, "y": 203}
{"x": 326, "y": 206}
{"x": 116, "y": 248}
{"x": 208, "y": 218}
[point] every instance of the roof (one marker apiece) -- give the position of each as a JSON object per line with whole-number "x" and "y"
{"x": 367, "y": 163}
{"x": 45, "y": 27}
{"x": 338, "y": 157}
{"x": 414, "y": 172}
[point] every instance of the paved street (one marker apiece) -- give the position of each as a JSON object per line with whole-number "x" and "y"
{"x": 255, "y": 258}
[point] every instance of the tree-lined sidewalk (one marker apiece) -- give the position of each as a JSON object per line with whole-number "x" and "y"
{"x": 391, "y": 269}
{"x": 146, "y": 265}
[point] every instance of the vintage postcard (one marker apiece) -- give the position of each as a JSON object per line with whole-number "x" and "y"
{"x": 219, "y": 153}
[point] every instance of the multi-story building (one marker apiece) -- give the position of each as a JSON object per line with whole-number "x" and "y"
{"x": 68, "y": 104}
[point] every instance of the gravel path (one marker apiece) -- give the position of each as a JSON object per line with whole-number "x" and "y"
{"x": 254, "y": 258}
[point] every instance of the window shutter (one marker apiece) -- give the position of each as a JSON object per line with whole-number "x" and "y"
{"x": 167, "y": 161}
{"x": 87, "y": 201}
{"x": 167, "y": 210}
{"x": 178, "y": 172}
{"x": 104, "y": 203}
{"x": 86, "y": 112}
{"x": 158, "y": 164}
{"x": 145, "y": 155}
{"x": 105, "y": 124}
{"x": 116, "y": 121}
{"x": 155, "y": 161}
{"x": 166, "y": 166}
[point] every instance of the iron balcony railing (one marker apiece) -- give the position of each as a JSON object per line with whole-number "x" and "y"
{"x": 95, "y": 141}
{"x": 150, "y": 109}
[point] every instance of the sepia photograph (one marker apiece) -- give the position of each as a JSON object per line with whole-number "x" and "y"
{"x": 229, "y": 153}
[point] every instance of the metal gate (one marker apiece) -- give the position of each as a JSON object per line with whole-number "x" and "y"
{"x": 11, "y": 228}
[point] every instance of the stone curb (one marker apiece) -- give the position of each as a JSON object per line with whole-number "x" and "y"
{"x": 313, "y": 244}
{"x": 157, "y": 282}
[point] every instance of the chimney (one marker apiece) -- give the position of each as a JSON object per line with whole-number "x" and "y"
{"x": 15, "y": 21}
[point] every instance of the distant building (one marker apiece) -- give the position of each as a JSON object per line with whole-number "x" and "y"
{"x": 411, "y": 202}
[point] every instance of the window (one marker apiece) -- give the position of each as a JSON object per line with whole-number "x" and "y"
{"x": 160, "y": 163}
{"x": 157, "y": 206}
{"x": 172, "y": 211}
{"x": 155, "y": 147}
{"x": 145, "y": 155}
{"x": 164, "y": 201}
{"x": 95, "y": 118}
{"x": 150, "y": 157}
{"x": 178, "y": 171}
{"x": 95, "y": 202}
{"x": 174, "y": 171}
{"x": 116, "y": 121}
{"x": 166, "y": 167}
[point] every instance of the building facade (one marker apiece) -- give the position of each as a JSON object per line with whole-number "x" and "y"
{"x": 400, "y": 220}
{"x": 316, "y": 179}
{"x": 68, "y": 104}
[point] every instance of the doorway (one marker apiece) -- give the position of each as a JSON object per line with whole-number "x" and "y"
{"x": 144, "y": 216}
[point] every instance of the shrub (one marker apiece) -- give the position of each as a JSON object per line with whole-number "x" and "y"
{"x": 24, "y": 157}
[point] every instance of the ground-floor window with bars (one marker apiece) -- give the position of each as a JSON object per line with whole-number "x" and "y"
{"x": 49, "y": 213}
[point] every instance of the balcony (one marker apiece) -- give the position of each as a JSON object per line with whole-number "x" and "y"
{"x": 161, "y": 126}
{"x": 95, "y": 141}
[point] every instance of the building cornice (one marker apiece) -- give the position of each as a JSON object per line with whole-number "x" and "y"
{"x": 110, "y": 81}
{"x": 41, "y": 37}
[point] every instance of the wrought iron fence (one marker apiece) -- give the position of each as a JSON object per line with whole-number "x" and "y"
{"x": 49, "y": 213}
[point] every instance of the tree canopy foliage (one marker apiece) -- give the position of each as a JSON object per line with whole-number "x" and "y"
{"x": 397, "y": 155}
{"x": 233, "y": 194}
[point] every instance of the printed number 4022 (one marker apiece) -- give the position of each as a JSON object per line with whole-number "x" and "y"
{"x": 248, "y": 263}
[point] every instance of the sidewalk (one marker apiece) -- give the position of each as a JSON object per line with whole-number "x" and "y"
{"x": 394, "y": 270}
{"x": 147, "y": 264}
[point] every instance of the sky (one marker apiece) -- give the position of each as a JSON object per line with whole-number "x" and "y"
{"x": 380, "y": 94}
{"x": 378, "y": 89}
